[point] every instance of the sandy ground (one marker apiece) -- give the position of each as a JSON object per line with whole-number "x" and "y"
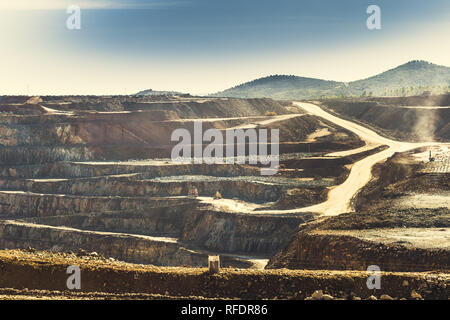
{"x": 232, "y": 205}
{"x": 267, "y": 121}
{"x": 426, "y": 238}
{"x": 318, "y": 134}
{"x": 54, "y": 111}
{"x": 424, "y": 201}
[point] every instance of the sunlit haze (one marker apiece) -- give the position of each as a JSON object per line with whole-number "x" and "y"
{"x": 204, "y": 46}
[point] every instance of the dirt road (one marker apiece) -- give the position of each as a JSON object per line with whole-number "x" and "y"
{"x": 339, "y": 197}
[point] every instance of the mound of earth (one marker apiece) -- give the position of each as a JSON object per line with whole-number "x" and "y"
{"x": 31, "y": 274}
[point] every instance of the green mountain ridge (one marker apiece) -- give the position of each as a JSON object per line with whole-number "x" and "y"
{"x": 414, "y": 77}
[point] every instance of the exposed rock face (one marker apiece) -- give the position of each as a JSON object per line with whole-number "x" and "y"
{"x": 336, "y": 252}
{"x": 167, "y": 220}
{"x": 21, "y": 204}
{"x": 390, "y": 233}
{"x": 138, "y": 249}
{"x": 222, "y": 232}
{"x": 89, "y": 169}
{"x": 29, "y": 155}
{"x": 241, "y": 233}
{"x": 125, "y": 187}
{"x": 397, "y": 118}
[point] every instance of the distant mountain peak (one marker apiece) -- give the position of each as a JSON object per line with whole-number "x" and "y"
{"x": 417, "y": 64}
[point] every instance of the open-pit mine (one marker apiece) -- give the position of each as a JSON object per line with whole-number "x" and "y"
{"x": 89, "y": 181}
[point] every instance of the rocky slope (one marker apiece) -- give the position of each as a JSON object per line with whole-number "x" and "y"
{"x": 388, "y": 229}
{"x": 412, "y": 118}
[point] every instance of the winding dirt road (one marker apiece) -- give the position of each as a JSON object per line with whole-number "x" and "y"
{"x": 339, "y": 197}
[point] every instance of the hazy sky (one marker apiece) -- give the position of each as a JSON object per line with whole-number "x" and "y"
{"x": 203, "y": 46}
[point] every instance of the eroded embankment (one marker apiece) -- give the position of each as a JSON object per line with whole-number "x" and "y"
{"x": 159, "y": 168}
{"x": 230, "y": 232}
{"x": 17, "y": 204}
{"x": 250, "y": 188}
{"x": 198, "y": 228}
{"x": 133, "y": 248}
{"x": 401, "y": 177}
{"x": 46, "y": 271}
{"x": 323, "y": 250}
{"x": 178, "y": 217}
{"x": 417, "y": 122}
{"x": 385, "y": 231}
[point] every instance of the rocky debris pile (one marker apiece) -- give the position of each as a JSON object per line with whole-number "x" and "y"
{"x": 89, "y": 255}
{"x": 48, "y": 271}
{"x": 56, "y": 255}
{"x": 319, "y": 295}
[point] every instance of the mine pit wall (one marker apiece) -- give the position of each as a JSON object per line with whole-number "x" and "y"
{"x": 200, "y": 228}
{"x": 126, "y": 187}
{"x": 127, "y": 248}
{"x": 38, "y": 154}
{"x": 240, "y": 233}
{"x": 335, "y": 252}
{"x": 82, "y": 170}
{"x": 29, "y": 155}
{"x": 230, "y": 107}
{"x": 22, "y": 205}
{"x": 167, "y": 221}
{"x": 203, "y": 229}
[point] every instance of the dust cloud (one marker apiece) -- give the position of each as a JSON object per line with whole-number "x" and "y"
{"x": 425, "y": 125}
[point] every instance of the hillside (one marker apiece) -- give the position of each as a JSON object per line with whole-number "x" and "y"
{"x": 403, "y": 79}
{"x": 414, "y": 77}
{"x": 284, "y": 87}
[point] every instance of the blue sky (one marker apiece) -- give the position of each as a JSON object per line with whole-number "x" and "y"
{"x": 202, "y": 46}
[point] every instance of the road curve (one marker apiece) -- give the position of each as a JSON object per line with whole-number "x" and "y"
{"x": 339, "y": 197}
